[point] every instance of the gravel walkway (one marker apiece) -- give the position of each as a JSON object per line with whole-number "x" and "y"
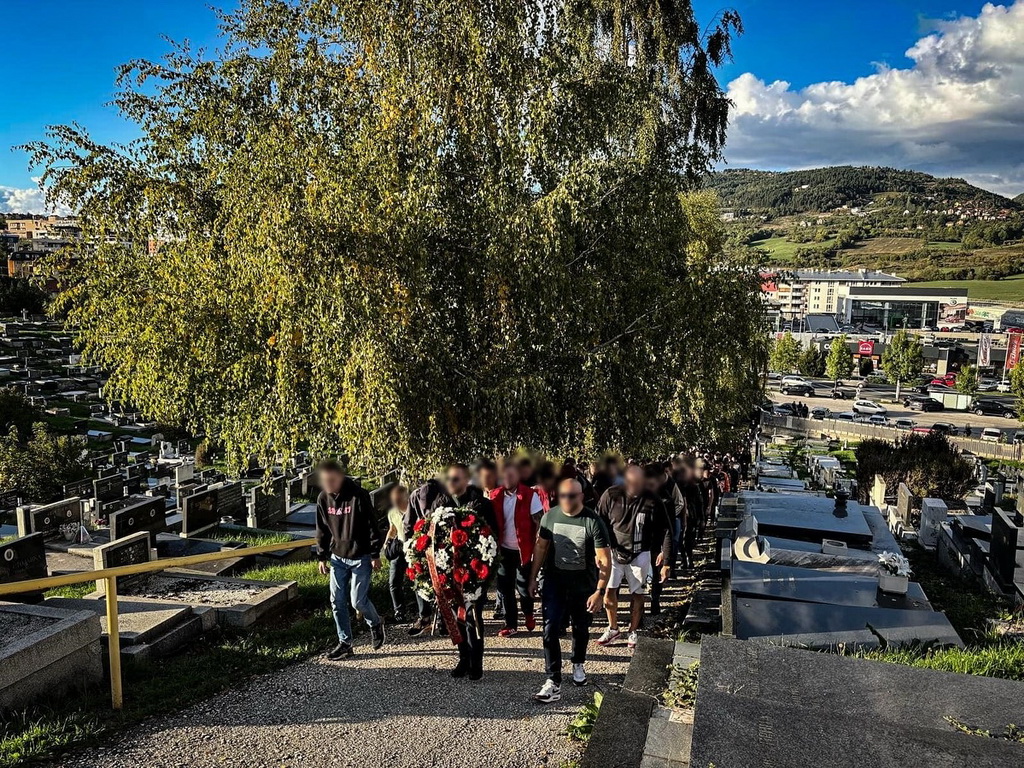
{"x": 397, "y": 708}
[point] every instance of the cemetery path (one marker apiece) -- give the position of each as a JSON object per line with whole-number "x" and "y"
{"x": 398, "y": 707}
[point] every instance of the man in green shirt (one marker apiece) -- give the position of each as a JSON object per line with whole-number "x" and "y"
{"x": 573, "y": 549}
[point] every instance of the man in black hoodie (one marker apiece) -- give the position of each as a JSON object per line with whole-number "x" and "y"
{"x": 348, "y": 547}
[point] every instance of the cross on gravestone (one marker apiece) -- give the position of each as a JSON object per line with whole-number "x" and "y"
{"x": 130, "y": 550}
{"x": 199, "y": 512}
{"x": 21, "y": 560}
{"x": 268, "y": 506}
{"x": 83, "y": 489}
{"x": 145, "y": 515}
{"x": 51, "y": 520}
{"x": 9, "y": 500}
{"x": 109, "y": 488}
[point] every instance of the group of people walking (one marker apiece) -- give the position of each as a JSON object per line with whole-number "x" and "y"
{"x": 569, "y": 537}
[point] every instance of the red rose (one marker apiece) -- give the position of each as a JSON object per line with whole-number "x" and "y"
{"x": 442, "y": 579}
{"x": 475, "y": 563}
{"x": 419, "y": 568}
{"x": 468, "y": 521}
{"x": 482, "y": 571}
{"x": 461, "y": 575}
{"x": 420, "y": 525}
{"x": 459, "y": 538}
{"x": 422, "y": 543}
{"x": 411, "y": 573}
{"x": 485, "y": 531}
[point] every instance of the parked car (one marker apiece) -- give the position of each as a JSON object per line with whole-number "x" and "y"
{"x": 785, "y": 409}
{"x": 991, "y": 435}
{"x": 905, "y": 424}
{"x": 1003, "y": 386}
{"x": 801, "y": 390}
{"x": 774, "y": 375}
{"x": 945, "y": 429}
{"x": 820, "y": 413}
{"x": 924, "y": 404}
{"x": 845, "y": 416}
{"x": 949, "y": 380}
{"x": 987, "y": 385}
{"x": 922, "y": 430}
{"x": 877, "y": 420}
{"x": 869, "y": 407}
{"x": 793, "y": 379}
{"x": 983, "y": 407}
{"x": 1018, "y": 436}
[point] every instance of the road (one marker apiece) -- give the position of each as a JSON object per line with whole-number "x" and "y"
{"x": 885, "y": 395}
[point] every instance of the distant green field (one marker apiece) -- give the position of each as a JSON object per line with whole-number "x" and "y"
{"x": 1010, "y": 289}
{"x": 783, "y": 250}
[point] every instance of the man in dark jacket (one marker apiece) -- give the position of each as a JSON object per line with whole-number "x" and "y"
{"x": 348, "y": 547}
{"x": 661, "y": 483}
{"x": 639, "y": 524}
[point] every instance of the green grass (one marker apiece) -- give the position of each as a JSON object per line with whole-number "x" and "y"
{"x": 72, "y": 590}
{"x": 782, "y": 250}
{"x": 203, "y": 669}
{"x": 998, "y": 660}
{"x": 1009, "y": 290}
{"x": 251, "y": 539}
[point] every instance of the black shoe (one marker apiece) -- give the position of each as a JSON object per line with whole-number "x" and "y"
{"x": 398, "y": 618}
{"x": 420, "y": 627}
{"x": 377, "y": 636}
{"x": 461, "y": 669}
{"x": 476, "y": 673}
{"x": 339, "y": 652}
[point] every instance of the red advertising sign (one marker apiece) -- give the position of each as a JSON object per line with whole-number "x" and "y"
{"x": 1013, "y": 339}
{"x": 866, "y": 348}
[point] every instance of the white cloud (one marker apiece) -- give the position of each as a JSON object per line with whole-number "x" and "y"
{"x": 15, "y": 200}
{"x": 959, "y": 110}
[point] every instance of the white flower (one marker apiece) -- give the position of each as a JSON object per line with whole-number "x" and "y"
{"x": 488, "y": 548}
{"x": 426, "y": 594}
{"x": 474, "y": 596}
{"x": 894, "y": 563}
{"x": 442, "y": 560}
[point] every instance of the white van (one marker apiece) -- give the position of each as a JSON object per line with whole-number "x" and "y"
{"x": 991, "y": 434}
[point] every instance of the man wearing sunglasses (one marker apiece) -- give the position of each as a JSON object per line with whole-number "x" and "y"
{"x": 573, "y": 549}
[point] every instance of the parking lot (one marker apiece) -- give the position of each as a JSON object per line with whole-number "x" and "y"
{"x": 885, "y": 395}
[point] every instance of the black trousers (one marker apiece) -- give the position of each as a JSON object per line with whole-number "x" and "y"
{"x": 513, "y": 577}
{"x": 397, "y": 583}
{"x": 471, "y": 649}
{"x": 565, "y": 598}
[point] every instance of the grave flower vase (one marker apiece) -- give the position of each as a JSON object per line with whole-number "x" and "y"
{"x": 893, "y": 584}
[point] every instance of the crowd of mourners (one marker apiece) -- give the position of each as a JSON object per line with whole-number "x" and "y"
{"x": 570, "y": 538}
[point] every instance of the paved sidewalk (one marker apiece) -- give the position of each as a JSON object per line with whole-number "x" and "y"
{"x": 396, "y": 708}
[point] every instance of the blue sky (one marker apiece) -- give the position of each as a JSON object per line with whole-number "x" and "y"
{"x": 815, "y": 82}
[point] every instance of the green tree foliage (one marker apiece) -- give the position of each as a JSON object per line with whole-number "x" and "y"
{"x": 967, "y": 380}
{"x": 812, "y": 362}
{"x": 413, "y": 231}
{"x": 1016, "y": 379}
{"x": 17, "y": 295}
{"x": 16, "y": 413}
{"x": 785, "y": 354}
{"x": 903, "y": 359}
{"x": 839, "y": 362}
{"x": 929, "y": 464}
{"x": 42, "y": 465}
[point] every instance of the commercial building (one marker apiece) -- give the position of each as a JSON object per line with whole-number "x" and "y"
{"x": 892, "y": 308}
{"x": 797, "y": 293}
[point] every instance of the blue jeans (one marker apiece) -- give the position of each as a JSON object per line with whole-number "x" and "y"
{"x": 350, "y": 584}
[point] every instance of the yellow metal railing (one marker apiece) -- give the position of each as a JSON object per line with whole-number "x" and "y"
{"x": 109, "y": 576}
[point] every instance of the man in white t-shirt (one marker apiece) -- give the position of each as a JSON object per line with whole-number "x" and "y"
{"x": 517, "y": 509}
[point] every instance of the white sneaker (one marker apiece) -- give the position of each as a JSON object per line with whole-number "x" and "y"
{"x": 609, "y": 635}
{"x": 548, "y": 692}
{"x": 579, "y": 675}
{"x": 632, "y": 640}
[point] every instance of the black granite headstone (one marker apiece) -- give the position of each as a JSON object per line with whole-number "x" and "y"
{"x": 109, "y": 488}
{"x": 230, "y": 502}
{"x": 20, "y": 560}
{"x": 130, "y": 550}
{"x": 142, "y": 515}
{"x": 83, "y": 489}
{"x": 199, "y": 512}
{"x": 51, "y": 520}
{"x": 1007, "y": 539}
{"x": 9, "y": 500}
{"x": 269, "y": 505}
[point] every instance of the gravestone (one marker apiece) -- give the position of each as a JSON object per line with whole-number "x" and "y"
{"x": 933, "y": 515}
{"x": 147, "y": 515}
{"x": 51, "y": 520}
{"x": 1007, "y": 542}
{"x": 199, "y": 512}
{"x": 268, "y": 507}
{"x": 9, "y": 500}
{"x": 908, "y": 505}
{"x": 130, "y": 550}
{"x": 83, "y": 489}
{"x": 109, "y": 488}
{"x": 22, "y": 559}
{"x": 230, "y": 501}
{"x": 184, "y": 472}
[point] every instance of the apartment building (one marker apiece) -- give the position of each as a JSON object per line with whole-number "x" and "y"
{"x": 797, "y": 293}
